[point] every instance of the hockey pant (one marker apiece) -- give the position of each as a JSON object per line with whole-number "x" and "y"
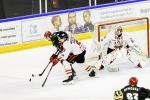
{"x": 79, "y": 59}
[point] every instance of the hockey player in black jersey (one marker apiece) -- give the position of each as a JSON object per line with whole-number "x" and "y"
{"x": 132, "y": 91}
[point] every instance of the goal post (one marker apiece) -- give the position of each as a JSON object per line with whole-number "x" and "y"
{"x": 138, "y": 29}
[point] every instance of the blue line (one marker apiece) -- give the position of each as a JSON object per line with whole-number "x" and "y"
{"x": 68, "y": 10}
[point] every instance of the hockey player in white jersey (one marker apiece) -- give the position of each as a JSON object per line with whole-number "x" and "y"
{"x": 116, "y": 45}
{"x": 71, "y": 51}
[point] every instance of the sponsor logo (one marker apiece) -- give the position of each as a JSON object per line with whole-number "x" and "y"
{"x": 33, "y": 29}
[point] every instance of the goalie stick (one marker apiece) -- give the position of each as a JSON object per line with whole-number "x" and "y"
{"x": 40, "y": 74}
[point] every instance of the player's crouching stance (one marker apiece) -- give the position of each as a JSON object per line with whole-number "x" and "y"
{"x": 118, "y": 44}
{"x": 132, "y": 91}
{"x": 71, "y": 51}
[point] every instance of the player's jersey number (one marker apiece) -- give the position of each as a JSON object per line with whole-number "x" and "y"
{"x": 132, "y": 96}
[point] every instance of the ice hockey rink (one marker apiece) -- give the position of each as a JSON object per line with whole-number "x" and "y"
{"x": 16, "y": 69}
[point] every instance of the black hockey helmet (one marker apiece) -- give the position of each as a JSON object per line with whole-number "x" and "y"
{"x": 56, "y": 36}
{"x": 54, "y": 39}
{"x": 62, "y": 35}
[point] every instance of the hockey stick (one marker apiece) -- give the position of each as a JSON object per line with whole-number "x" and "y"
{"x": 47, "y": 75}
{"x": 44, "y": 69}
{"x": 35, "y": 75}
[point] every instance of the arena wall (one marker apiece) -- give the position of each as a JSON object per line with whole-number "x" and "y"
{"x": 27, "y": 31}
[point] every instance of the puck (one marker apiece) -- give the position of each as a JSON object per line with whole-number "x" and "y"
{"x": 30, "y": 79}
{"x": 32, "y": 75}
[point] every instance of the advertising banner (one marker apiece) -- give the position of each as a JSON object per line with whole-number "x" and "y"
{"x": 33, "y": 29}
{"x": 10, "y": 33}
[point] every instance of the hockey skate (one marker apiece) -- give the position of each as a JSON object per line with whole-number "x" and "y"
{"x": 139, "y": 65}
{"x": 101, "y": 67}
{"x": 142, "y": 64}
{"x": 92, "y": 73}
{"x": 68, "y": 81}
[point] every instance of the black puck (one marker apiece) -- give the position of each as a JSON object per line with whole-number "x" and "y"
{"x": 30, "y": 79}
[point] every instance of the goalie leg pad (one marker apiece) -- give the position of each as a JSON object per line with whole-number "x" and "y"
{"x": 133, "y": 57}
{"x": 109, "y": 59}
{"x": 143, "y": 63}
{"x": 113, "y": 66}
{"x": 136, "y": 59}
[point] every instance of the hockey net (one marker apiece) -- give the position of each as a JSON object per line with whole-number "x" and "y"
{"x": 138, "y": 29}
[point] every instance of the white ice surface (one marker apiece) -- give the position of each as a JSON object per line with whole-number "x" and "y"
{"x": 16, "y": 69}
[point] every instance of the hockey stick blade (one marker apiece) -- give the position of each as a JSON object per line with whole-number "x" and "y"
{"x": 44, "y": 69}
{"x": 36, "y": 75}
{"x": 56, "y": 53}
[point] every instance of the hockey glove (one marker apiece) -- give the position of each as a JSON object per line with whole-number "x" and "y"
{"x": 54, "y": 59}
{"x": 143, "y": 93}
{"x": 118, "y": 95}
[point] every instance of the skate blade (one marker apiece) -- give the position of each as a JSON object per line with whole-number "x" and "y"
{"x": 68, "y": 83}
